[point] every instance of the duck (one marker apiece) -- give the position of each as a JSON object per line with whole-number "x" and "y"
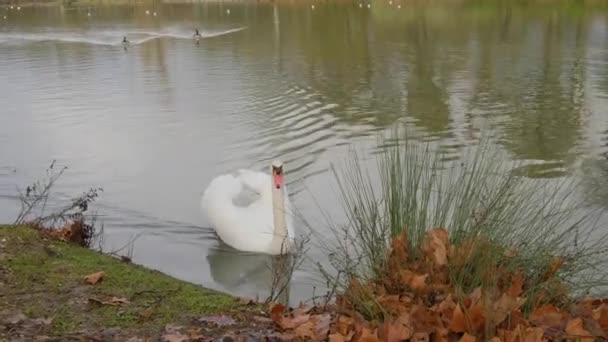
{"x": 197, "y": 36}
{"x": 251, "y": 211}
{"x": 125, "y": 42}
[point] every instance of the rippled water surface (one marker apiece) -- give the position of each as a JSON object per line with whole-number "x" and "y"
{"x": 154, "y": 123}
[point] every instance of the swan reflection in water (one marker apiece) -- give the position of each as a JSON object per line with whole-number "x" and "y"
{"x": 249, "y": 274}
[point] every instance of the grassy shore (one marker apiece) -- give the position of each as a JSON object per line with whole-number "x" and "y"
{"x": 43, "y": 293}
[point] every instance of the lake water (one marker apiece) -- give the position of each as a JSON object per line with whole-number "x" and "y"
{"x": 153, "y": 124}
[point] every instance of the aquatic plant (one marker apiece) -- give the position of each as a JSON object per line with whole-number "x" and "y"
{"x": 498, "y": 225}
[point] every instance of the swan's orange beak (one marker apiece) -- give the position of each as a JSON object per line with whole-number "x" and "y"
{"x": 277, "y": 177}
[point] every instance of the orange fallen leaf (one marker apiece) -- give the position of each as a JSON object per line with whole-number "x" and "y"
{"x": 306, "y": 330}
{"x": 575, "y": 328}
{"x": 344, "y": 325}
{"x": 600, "y": 314}
{"x": 467, "y": 338}
{"x": 435, "y": 246}
{"x": 534, "y": 334}
{"x": 446, "y": 309}
{"x": 322, "y": 323}
{"x": 421, "y": 337}
{"x": 547, "y": 315}
{"x": 336, "y": 338}
{"x": 458, "y": 323}
{"x": 517, "y": 284}
{"x": 368, "y": 335}
{"x": 442, "y": 335}
{"x": 276, "y": 311}
{"x": 503, "y": 307}
{"x": 398, "y": 330}
{"x": 415, "y": 281}
{"x": 94, "y": 278}
{"x": 292, "y": 322}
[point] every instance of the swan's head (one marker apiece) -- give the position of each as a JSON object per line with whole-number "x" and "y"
{"x": 277, "y": 174}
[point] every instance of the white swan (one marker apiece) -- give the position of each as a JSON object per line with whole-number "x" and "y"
{"x": 251, "y": 211}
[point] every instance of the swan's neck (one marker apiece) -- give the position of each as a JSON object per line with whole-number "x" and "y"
{"x": 279, "y": 241}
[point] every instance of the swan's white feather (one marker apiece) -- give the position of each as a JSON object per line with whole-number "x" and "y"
{"x": 239, "y": 207}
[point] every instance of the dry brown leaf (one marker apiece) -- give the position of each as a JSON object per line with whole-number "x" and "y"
{"x": 344, "y": 325}
{"x": 415, "y": 281}
{"x": 458, "y": 323}
{"x": 442, "y": 335}
{"x": 293, "y": 322}
{"x": 533, "y": 334}
{"x": 322, "y": 323}
{"x": 421, "y": 337}
{"x": 175, "y": 337}
{"x": 94, "y": 278}
{"x": 398, "y": 330}
{"x": 547, "y": 315}
{"x": 575, "y": 328}
{"x": 517, "y": 285}
{"x": 467, "y": 338}
{"x": 306, "y": 330}
{"x": 391, "y": 304}
{"x": 336, "y": 338}
{"x": 114, "y": 301}
{"x": 476, "y": 317}
{"x": 367, "y": 335}
{"x": 218, "y": 320}
{"x": 435, "y": 246}
{"x": 275, "y": 311}
{"x": 495, "y": 339}
{"x": 446, "y": 309}
{"x": 146, "y": 314}
{"x": 600, "y": 314}
{"x": 503, "y": 307}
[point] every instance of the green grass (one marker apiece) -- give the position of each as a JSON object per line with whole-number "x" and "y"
{"x": 45, "y": 280}
{"x": 477, "y": 197}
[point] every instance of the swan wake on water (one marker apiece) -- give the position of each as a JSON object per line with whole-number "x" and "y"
{"x": 251, "y": 211}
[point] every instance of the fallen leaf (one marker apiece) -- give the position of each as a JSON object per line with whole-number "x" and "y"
{"x": 442, "y": 335}
{"x": 219, "y": 320}
{"x": 175, "y": 337}
{"x": 368, "y": 335}
{"x": 421, "y": 337}
{"x": 322, "y": 323}
{"x": 398, "y": 330}
{"x": 15, "y": 319}
{"x": 414, "y": 281}
{"x": 306, "y": 330}
{"x": 114, "y": 301}
{"x": 276, "y": 311}
{"x": 446, "y": 309}
{"x": 43, "y": 321}
{"x": 517, "y": 284}
{"x": 548, "y": 315}
{"x": 600, "y": 314}
{"x": 94, "y": 278}
{"x": 336, "y": 338}
{"x": 344, "y": 325}
{"x": 146, "y": 314}
{"x": 467, "y": 338}
{"x": 503, "y": 307}
{"x": 533, "y": 334}
{"x": 293, "y": 322}
{"x": 398, "y": 252}
{"x": 435, "y": 246}
{"x": 575, "y": 328}
{"x": 458, "y": 322}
